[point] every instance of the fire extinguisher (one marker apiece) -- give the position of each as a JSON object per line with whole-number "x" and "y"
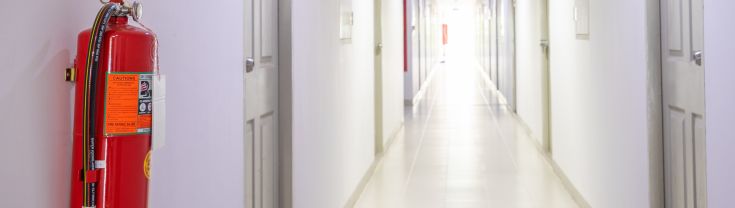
{"x": 114, "y": 69}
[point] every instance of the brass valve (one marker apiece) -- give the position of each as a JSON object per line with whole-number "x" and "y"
{"x": 134, "y": 10}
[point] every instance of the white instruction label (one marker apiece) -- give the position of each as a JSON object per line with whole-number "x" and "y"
{"x": 159, "y": 112}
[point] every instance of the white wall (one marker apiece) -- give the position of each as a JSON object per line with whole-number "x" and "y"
{"x": 530, "y": 66}
{"x": 392, "y": 23}
{"x": 202, "y": 163}
{"x": 483, "y": 35}
{"x": 411, "y": 76}
{"x": 719, "y": 75}
{"x": 333, "y": 117}
{"x": 36, "y": 44}
{"x": 599, "y": 86}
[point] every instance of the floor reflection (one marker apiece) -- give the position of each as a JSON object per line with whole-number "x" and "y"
{"x": 462, "y": 148}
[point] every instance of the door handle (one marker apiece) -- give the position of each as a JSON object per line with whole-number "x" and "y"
{"x": 249, "y": 65}
{"x": 544, "y": 44}
{"x": 697, "y": 57}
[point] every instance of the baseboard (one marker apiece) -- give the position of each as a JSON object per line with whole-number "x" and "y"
{"x": 363, "y": 182}
{"x": 501, "y": 98}
{"x": 420, "y": 94}
{"x": 393, "y": 136}
{"x": 576, "y": 195}
{"x": 355, "y": 197}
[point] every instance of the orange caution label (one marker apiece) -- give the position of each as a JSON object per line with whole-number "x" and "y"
{"x": 128, "y": 107}
{"x": 145, "y": 121}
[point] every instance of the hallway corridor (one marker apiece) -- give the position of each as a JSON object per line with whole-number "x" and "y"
{"x": 462, "y": 148}
{"x": 367, "y": 104}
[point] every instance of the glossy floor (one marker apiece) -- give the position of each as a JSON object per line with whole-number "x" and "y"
{"x": 462, "y": 148}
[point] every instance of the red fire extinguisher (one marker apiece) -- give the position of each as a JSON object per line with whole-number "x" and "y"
{"x": 116, "y": 63}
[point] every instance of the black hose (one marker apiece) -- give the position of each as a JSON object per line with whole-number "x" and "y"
{"x": 92, "y": 66}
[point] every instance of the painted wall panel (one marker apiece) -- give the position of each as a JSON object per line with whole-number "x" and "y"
{"x": 333, "y": 118}
{"x": 392, "y": 67}
{"x": 599, "y": 107}
{"x": 530, "y": 67}
{"x": 36, "y": 44}
{"x": 719, "y": 85}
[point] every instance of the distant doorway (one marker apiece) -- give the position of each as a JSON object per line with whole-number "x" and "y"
{"x": 682, "y": 48}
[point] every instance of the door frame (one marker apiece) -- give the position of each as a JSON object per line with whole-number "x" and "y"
{"x": 285, "y": 105}
{"x": 378, "y": 84}
{"x": 546, "y": 77}
{"x": 514, "y": 102}
{"x": 655, "y": 106}
{"x": 416, "y": 47}
{"x": 248, "y": 146}
{"x": 496, "y": 45}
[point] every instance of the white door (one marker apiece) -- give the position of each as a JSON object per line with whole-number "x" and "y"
{"x": 261, "y": 103}
{"x": 543, "y": 11}
{"x": 378, "y": 33}
{"x": 494, "y": 42}
{"x": 415, "y": 43}
{"x": 486, "y": 45}
{"x": 423, "y": 40}
{"x": 683, "y": 103}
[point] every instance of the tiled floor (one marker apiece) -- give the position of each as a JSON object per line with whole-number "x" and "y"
{"x": 462, "y": 148}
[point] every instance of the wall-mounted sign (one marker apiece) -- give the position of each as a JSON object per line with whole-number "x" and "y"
{"x": 582, "y": 18}
{"x": 346, "y": 20}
